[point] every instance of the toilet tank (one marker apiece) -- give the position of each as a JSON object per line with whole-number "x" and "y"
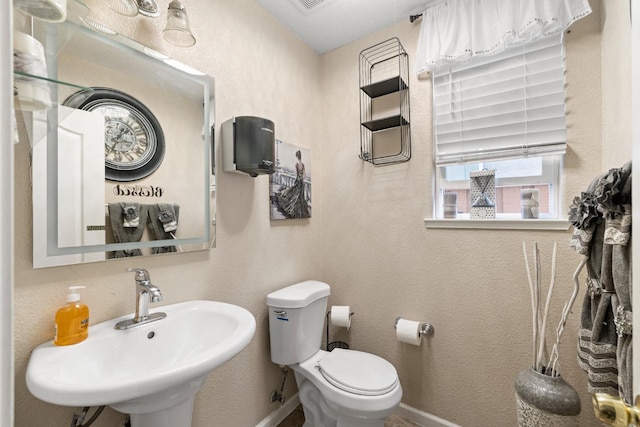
{"x": 296, "y": 318}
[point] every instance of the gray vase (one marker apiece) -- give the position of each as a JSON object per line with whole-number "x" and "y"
{"x": 543, "y": 400}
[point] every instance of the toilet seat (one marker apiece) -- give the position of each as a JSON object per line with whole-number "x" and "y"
{"x": 358, "y": 372}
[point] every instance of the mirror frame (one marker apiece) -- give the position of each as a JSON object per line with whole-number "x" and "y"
{"x": 137, "y": 50}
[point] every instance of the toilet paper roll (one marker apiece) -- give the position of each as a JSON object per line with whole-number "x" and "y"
{"x": 28, "y": 57}
{"x": 47, "y": 10}
{"x": 408, "y": 331}
{"x": 341, "y": 316}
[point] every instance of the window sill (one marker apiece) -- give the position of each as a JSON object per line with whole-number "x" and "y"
{"x": 500, "y": 224}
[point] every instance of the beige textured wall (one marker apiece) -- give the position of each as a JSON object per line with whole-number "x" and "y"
{"x": 366, "y": 239}
{"x": 260, "y": 69}
{"x": 616, "y": 84}
{"x": 471, "y": 284}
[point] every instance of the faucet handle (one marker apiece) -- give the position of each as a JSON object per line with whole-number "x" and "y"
{"x": 141, "y": 274}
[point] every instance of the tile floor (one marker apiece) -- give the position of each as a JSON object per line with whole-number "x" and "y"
{"x": 296, "y": 419}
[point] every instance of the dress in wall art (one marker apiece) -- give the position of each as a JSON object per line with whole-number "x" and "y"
{"x": 291, "y": 182}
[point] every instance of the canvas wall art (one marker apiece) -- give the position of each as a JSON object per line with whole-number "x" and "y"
{"x": 291, "y": 182}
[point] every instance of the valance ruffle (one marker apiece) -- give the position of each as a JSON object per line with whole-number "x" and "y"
{"x": 455, "y": 30}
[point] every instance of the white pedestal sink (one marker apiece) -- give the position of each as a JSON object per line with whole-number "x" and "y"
{"x": 151, "y": 371}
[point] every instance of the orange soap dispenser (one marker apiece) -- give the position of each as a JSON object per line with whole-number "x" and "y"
{"x": 72, "y": 320}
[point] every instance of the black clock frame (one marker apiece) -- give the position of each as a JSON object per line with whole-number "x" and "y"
{"x": 93, "y": 98}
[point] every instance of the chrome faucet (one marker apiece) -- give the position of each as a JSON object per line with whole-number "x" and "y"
{"x": 146, "y": 292}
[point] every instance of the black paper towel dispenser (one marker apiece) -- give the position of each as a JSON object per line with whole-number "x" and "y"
{"x": 248, "y": 145}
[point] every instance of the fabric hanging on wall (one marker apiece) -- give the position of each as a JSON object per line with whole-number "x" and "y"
{"x": 601, "y": 217}
{"x": 128, "y": 222}
{"x": 163, "y": 223}
{"x": 453, "y": 31}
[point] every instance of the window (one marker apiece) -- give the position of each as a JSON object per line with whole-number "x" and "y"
{"x": 504, "y": 112}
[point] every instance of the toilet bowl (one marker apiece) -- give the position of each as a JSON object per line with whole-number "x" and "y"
{"x": 341, "y": 388}
{"x": 356, "y": 386}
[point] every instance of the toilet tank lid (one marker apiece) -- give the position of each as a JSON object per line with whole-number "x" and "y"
{"x": 298, "y": 295}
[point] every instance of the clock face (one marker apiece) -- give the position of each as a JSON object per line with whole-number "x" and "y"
{"x": 133, "y": 140}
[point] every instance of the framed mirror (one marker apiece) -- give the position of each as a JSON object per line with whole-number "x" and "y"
{"x": 121, "y": 159}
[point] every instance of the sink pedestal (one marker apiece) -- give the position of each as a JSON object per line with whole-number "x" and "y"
{"x": 165, "y": 409}
{"x": 179, "y": 415}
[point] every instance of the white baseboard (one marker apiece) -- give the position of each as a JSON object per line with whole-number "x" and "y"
{"x": 277, "y": 416}
{"x": 422, "y": 418}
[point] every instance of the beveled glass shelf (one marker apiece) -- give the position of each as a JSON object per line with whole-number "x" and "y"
{"x": 49, "y": 80}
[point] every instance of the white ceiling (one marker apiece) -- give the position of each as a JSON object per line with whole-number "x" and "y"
{"x": 327, "y": 24}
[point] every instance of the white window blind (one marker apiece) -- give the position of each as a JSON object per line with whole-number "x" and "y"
{"x": 504, "y": 106}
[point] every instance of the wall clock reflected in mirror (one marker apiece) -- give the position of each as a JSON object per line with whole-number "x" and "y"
{"x": 134, "y": 143}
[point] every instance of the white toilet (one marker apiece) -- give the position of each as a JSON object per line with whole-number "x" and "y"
{"x": 342, "y": 388}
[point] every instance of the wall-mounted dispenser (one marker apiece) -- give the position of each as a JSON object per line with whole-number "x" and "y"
{"x": 248, "y": 145}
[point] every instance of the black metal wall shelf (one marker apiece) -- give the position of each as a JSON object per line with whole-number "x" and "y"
{"x": 385, "y": 87}
{"x": 385, "y": 136}
{"x": 386, "y": 123}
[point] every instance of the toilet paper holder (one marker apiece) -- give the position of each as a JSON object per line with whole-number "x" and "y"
{"x": 425, "y": 329}
{"x": 335, "y": 344}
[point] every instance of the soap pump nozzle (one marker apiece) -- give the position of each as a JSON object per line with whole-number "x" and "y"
{"x": 73, "y": 296}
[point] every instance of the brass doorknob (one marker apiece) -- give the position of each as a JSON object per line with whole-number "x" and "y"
{"x": 614, "y": 411}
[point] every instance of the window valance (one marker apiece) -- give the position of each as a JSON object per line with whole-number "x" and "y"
{"x": 455, "y": 30}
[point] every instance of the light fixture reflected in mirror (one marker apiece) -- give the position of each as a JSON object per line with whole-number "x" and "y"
{"x": 123, "y": 7}
{"x": 98, "y": 26}
{"x": 177, "y": 31}
{"x": 148, "y": 8}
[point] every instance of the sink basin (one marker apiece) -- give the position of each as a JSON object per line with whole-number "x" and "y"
{"x": 153, "y": 369}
